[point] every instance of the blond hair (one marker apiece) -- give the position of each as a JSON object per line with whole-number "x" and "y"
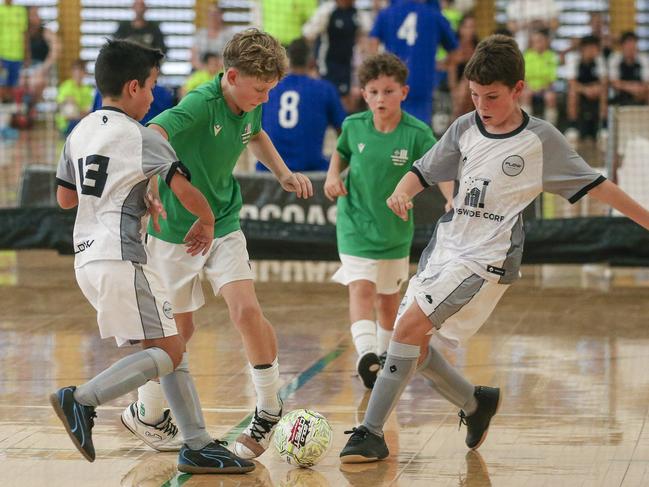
{"x": 256, "y": 53}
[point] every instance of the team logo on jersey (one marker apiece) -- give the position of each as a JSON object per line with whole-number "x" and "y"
{"x": 476, "y": 192}
{"x": 513, "y": 165}
{"x": 104, "y": 120}
{"x": 245, "y": 136}
{"x": 217, "y": 129}
{"x": 361, "y": 147}
{"x": 399, "y": 157}
{"x": 168, "y": 310}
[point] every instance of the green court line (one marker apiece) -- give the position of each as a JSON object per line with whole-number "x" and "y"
{"x": 286, "y": 391}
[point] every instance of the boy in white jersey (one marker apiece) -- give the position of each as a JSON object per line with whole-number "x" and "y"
{"x": 104, "y": 171}
{"x": 501, "y": 160}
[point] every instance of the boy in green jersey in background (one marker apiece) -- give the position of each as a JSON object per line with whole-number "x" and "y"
{"x": 379, "y": 146}
{"x": 209, "y": 129}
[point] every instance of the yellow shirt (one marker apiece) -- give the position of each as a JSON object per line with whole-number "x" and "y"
{"x": 540, "y": 69}
{"x": 197, "y": 79}
{"x": 283, "y": 19}
{"x": 13, "y": 24}
{"x": 81, "y": 94}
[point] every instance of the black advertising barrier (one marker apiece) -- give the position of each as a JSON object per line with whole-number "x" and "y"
{"x": 280, "y": 226}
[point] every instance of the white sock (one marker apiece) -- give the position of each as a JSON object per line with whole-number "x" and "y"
{"x": 383, "y": 338}
{"x": 266, "y": 382}
{"x": 151, "y": 403}
{"x": 364, "y": 335}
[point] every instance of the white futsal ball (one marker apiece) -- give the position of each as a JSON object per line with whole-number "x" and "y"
{"x": 302, "y": 437}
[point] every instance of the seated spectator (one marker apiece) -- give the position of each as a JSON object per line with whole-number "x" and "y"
{"x": 13, "y": 49}
{"x": 44, "y": 46}
{"x": 540, "y": 73}
{"x": 586, "y": 77}
{"x": 525, "y": 16}
{"x": 210, "y": 39}
{"x": 336, "y": 27}
{"x": 212, "y": 64}
{"x": 298, "y": 112}
{"x": 459, "y": 86}
{"x": 140, "y": 30}
{"x": 74, "y": 99}
{"x": 628, "y": 72}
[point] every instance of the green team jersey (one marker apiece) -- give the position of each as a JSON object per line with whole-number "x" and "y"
{"x": 365, "y": 226}
{"x": 208, "y": 139}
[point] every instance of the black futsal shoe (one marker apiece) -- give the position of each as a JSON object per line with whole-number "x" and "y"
{"x": 477, "y": 425}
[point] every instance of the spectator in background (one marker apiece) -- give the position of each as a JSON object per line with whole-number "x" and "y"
{"x": 298, "y": 112}
{"x": 628, "y": 73}
{"x": 213, "y": 63}
{"x": 540, "y": 73}
{"x": 210, "y": 39}
{"x": 586, "y": 77}
{"x": 74, "y": 99}
{"x": 413, "y": 30}
{"x": 44, "y": 46}
{"x": 163, "y": 98}
{"x": 140, "y": 30}
{"x": 525, "y": 16}
{"x": 14, "y": 47}
{"x": 458, "y": 85}
{"x": 337, "y": 26}
{"x": 283, "y": 19}
{"x": 599, "y": 28}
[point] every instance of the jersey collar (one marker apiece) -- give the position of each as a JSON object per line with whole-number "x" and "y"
{"x": 521, "y": 127}
{"x": 114, "y": 109}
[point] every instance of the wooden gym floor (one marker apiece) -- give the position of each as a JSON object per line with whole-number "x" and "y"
{"x": 568, "y": 346}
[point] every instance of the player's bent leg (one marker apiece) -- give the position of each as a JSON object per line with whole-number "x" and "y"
{"x": 185, "y": 325}
{"x": 386, "y": 314}
{"x": 362, "y": 297}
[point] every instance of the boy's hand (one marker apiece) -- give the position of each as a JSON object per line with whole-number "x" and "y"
{"x": 400, "y": 203}
{"x": 199, "y": 238}
{"x": 297, "y": 183}
{"x": 155, "y": 209}
{"x": 334, "y": 187}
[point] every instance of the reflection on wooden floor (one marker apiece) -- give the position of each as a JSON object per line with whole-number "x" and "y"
{"x": 568, "y": 346}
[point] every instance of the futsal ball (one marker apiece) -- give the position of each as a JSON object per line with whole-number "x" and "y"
{"x": 302, "y": 437}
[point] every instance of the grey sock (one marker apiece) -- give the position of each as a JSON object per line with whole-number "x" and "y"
{"x": 181, "y": 394}
{"x": 124, "y": 376}
{"x": 399, "y": 366}
{"x": 446, "y": 380}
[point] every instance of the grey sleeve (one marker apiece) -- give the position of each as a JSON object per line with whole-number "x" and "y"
{"x": 564, "y": 171}
{"x": 442, "y": 161}
{"x": 65, "y": 171}
{"x": 158, "y": 157}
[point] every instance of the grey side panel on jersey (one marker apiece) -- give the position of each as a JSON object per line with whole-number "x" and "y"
{"x": 564, "y": 171}
{"x": 157, "y": 154}
{"x": 149, "y": 316}
{"x": 65, "y": 169}
{"x": 442, "y": 161}
{"x": 425, "y": 255}
{"x": 124, "y": 376}
{"x": 514, "y": 257}
{"x": 456, "y": 300}
{"x": 133, "y": 209}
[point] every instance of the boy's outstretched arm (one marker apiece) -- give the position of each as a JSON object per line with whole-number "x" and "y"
{"x": 264, "y": 150}
{"x": 400, "y": 201}
{"x": 611, "y": 194}
{"x": 200, "y": 235}
{"x": 66, "y": 198}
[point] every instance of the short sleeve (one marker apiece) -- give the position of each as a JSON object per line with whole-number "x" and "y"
{"x": 65, "y": 171}
{"x": 448, "y": 37}
{"x": 190, "y": 113}
{"x": 378, "y": 30}
{"x": 343, "y": 143}
{"x": 158, "y": 157}
{"x": 564, "y": 171}
{"x": 425, "y": 141}
{"x": 442, "y": 161}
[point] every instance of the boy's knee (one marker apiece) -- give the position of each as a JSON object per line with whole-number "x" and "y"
{"x": 174, "y": 346}
{"x": 246, "y": 316}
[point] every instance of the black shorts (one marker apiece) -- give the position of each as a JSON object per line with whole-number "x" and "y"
{"x": 340, "y": 76}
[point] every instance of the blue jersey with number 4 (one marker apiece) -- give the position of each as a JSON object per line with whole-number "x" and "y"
{"x": 296, "y": 117}
{"x": 413, "y": 30}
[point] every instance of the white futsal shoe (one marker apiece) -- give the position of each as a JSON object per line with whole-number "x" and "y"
{"x": 163, "y": 436}
{"x": 255, "y": 439}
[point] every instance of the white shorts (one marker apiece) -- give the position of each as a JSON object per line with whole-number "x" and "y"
{"x": 129, "y": 299}
{"x": 456, "y": 300}
{"x": 388, "y": 274}
{"x": 227, "y": 261}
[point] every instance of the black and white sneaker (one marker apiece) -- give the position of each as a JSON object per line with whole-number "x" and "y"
{"x": 212, "y": 458}
{"x": 163, "y": 436}
{"x": 255, "y": 439}
{"x": 363, "y": 446}
{"x": 77, "y": 419}
{"x": 368, "y": 367}
{"x": 477, "y": 425}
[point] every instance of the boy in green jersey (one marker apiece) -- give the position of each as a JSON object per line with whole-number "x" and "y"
{"x": 209, "y": 129}
{"x": 379, "y": 146}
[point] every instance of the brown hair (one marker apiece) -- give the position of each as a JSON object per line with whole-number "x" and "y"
{"x": 256, "y": 53}
{"x": 385, "y": 64}
{"x": 496, "y": 59}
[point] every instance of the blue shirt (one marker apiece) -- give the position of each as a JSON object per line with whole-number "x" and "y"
{"x": 413, "y": 30}
{"x": 296, "y": 117}
{"x": 163, "y": 98}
